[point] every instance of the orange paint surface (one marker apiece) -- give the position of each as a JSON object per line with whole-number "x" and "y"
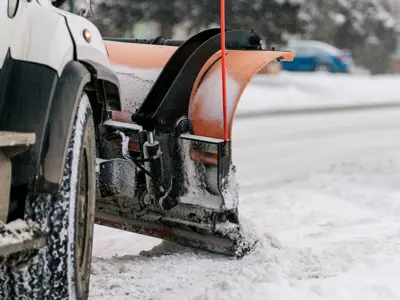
{"x": 241, "y": 65}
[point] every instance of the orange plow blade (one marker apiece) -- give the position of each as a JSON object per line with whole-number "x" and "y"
{"x": 165, "y": 169}
{"x": 137, "y": 67}
{"x": 205, "y": 110}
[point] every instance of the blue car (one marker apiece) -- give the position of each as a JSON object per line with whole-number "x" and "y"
{"x": 314, "y": 56}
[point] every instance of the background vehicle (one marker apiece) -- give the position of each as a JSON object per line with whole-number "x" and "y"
{"x": 317, "y": 56}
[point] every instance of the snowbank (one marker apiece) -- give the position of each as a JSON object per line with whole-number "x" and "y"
{"x": 292, "y": 91}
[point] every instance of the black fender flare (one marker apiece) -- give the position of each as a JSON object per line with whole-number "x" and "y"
{"x": 77, "y": 77}
{"x": 33, "y": 98}
{"x": 107, "y": 83}
{"x": 26, "y": 93}
{"x": 66, "y": 98}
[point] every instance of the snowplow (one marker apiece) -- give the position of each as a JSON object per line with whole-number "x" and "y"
{"x": 171, "y": 136}
{"x": 127, "y": 133}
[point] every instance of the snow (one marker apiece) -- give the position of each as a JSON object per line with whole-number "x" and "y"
{"x": 364, "y": 16}
{"x": 16, "y": 232}
{"x": 291, "y": 91}
{"x": 210, "y": 94}
{"x": 196, "y": 194}
{"x": 320, "y": 190}
{"x": 339, "y": 19}
{"x": 135, "y": 84}
{"x": 122, "y": 124}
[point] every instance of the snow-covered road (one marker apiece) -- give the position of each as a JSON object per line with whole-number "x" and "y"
{"x": 293, "y": 92}
{"x": 326, "y": 186}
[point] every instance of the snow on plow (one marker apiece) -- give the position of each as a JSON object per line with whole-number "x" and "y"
{"x": 166, "y": 169}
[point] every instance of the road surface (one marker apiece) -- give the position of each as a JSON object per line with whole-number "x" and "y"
{"x": 323, "y": 193}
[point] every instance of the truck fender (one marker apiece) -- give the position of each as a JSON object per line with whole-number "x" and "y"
{"x": 108, "y": 81}
{"x": 26, "y": 94}
{"x": 68, "y": 91}
{"x": 74, "y": 78}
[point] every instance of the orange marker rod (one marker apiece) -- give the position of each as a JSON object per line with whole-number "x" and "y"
{"x": 223, "y": 61}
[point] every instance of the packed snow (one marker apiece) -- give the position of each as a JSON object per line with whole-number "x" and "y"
{"x": 321, "y": 190}
{"x": 17, "y": 231}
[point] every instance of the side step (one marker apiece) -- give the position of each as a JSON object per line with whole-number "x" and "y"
{"x": 11, "y": 139}
{"x": 13, "y": 143}
{"x": 20, "y": 241}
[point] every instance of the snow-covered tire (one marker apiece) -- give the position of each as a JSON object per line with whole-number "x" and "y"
{"x": 58, "y": 273}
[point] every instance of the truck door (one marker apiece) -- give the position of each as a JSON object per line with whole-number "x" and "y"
{"x": 10, "y": 14}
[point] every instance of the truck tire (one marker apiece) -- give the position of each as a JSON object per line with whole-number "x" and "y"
{"x": 62, "y": 269}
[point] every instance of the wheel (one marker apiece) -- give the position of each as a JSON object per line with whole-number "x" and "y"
{"x": 323, "y": 68}
{"x": 83, "y": 165}
{"x": 62, "y": 269}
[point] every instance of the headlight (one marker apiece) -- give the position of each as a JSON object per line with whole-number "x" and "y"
{"x": 12, "y": 8}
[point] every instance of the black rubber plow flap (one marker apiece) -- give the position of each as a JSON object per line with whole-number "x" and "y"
{"x": 205, "y": 196}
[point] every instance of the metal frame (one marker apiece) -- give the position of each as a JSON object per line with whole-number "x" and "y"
{"x": 168, "y": 99}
